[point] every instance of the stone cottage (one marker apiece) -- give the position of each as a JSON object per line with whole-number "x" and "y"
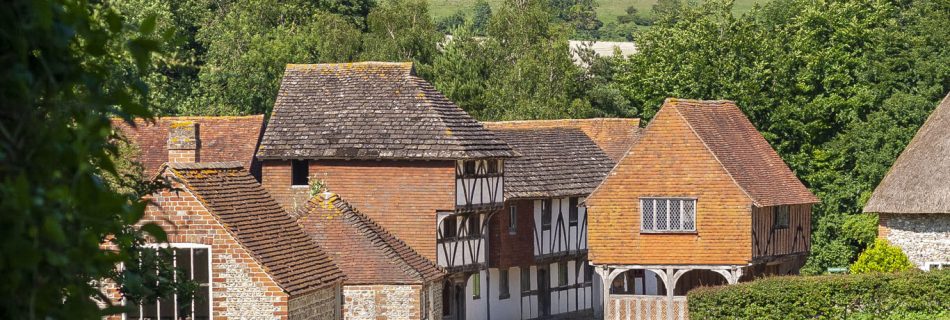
{"x": 913, "y": 199}
{"x": 385, "y": 278}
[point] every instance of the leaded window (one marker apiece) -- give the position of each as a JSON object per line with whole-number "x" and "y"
{"x": 667, "y": 215}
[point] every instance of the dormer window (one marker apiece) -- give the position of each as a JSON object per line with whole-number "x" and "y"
{"x": 299, "y": 172}
{"x": 667, "y": 215}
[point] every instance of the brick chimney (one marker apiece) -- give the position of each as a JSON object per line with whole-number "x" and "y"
{"x": 183, "y": 142}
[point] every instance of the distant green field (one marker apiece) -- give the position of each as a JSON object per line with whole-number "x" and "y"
{"x": 607, "y": 10}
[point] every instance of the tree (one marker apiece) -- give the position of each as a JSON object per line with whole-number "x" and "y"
{"x": 401, "y": 30}
{"x": 881, "y": 257}
{"x": 837, "y": 87}
{"x": 55, "y": 151}
{"x": 250, "y": 44}
{"x": 522, "y": 69}
{"x": 481, "y": 17}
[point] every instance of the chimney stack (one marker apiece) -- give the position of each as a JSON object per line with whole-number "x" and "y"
{"x": 183, "y": 142}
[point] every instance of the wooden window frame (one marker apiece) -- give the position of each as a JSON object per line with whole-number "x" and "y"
{"x": 562, "y": 274}
{"x": 504, "y": 285}
{"x": 682, "y": 215}
{"x": 473, "y": 226}
{"x": 525, "y": 279}
{"x": 209, "y": 285}
{"x": 476, "y": 286}
{"x": 297, "y": 178}
{"x": 449, "y": 233}
{"x": 513, "y": 219}
{"x": 546, "y": 212}
{"x": 572, "y": 211}
{"x": 780, "y": 217}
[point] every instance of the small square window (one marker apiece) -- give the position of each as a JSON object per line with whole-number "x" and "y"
{"x": 546, "y": 214}
{"x": 300, "y": 172}
{"x": 780, "y": 217}
{"x": 449, "y": 228}
{"x": 503, "y": 289}
{"x": 562, "y": 273}
{"x": 470, "y": 166}
{"x": 572, "y": 211}
{"x": 474, "y": 230}
{"x": 493, "y": 166}
{"x": 513, "y": 219}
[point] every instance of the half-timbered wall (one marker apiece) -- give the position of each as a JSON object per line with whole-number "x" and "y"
{"x": 546, "y": 295}
{"x": 463, "y": 248}
{"x": 770, "y": 239}
{"x": 558, "y": 235}
{"x": 479, "y": 183}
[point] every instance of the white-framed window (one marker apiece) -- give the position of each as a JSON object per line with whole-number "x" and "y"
{"x": 513, "y": 219}
{"x": 937, "y": 265}
{"x": 194, "y": 262}
{"x": 780, "y": 217}
{"x": 667, "y": 215}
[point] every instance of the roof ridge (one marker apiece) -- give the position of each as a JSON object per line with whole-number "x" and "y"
{"x": 205, "y": 165}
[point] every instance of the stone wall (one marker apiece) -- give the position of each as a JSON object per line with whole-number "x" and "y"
{"x": 923, "y": 237}
{"x": 318, "y": 305}
{"x": 392, "y": 302}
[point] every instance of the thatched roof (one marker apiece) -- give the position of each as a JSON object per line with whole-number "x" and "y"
{"x": 919, "y": 181}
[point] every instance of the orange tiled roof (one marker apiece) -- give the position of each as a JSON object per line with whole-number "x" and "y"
{"x": 742, "y": 151}
{"x": 367, "y": 253}
{"x": 221, "y": 139}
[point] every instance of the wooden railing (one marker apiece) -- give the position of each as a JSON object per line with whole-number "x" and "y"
{"x": 642, "y": 307}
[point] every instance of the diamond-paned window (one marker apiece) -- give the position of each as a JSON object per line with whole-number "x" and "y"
{"x": 667, "y": 214}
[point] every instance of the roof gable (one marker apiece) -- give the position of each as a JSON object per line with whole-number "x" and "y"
{"x": 918, "y": 180}
{"x": 743, "y": 152}
{"x": 370, "y": 110}
{"x": 221, "y": 139}
{"x": 613, "y": 135}
{"x": 739, "y": 149}
{"x": 554, "y": 162}
{"x": 364, "y": 250}
{"x": 258, "y": 223}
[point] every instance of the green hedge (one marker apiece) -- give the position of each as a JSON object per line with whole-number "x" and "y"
{"x": 906, "y": 295}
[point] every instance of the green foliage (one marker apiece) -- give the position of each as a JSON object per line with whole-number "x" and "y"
{"x": 401, "y": 30}
{"x": 448, "y": 24}
{"x": 522, "y": 69}
{"x": 881, "y": 257}
{"x": 58, "y": 95}
{"x": 250, "y": 44}
{"x": 907, "y": 295}
{"x": 481, "y": 17}
{"x": 837, "y": 87}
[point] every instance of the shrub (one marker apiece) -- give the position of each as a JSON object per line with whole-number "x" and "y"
{"x": 881, "y": 257}
{"x": 905, "y": 295}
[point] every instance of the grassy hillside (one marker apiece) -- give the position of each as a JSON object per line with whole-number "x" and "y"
{"x": 607, "y": 10}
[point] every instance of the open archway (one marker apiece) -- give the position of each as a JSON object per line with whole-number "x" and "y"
{"x": 698, "y": 278}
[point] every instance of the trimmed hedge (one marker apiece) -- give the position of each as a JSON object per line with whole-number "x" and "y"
{"x": 905, "y": 295}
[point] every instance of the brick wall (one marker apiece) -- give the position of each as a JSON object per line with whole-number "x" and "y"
{"x": 321, "y": 304}
{"x": 512, "y": 250}
{"x": 923, "y": 237}
{"x": 240, "y": 286}
{"x": 402, "y": 196}
{"x": 669, "y": 160}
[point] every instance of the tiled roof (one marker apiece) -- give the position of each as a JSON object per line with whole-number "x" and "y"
{"x": 614, "y": 136}
{"x": 370, "y": 110}
{"x": 255, "y": 219}
{"x": 919, "y": 181}
{"x": 743, "y": 152}
{"x": 221, "y": 139}
{"x": 554, "y": 162}
{"x": 367, "y": 253}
